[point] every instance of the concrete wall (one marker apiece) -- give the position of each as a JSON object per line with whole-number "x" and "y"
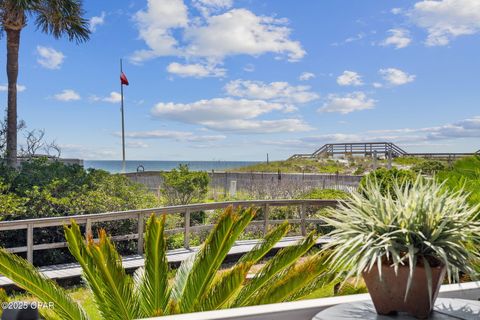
{"x": 260, "y": 182}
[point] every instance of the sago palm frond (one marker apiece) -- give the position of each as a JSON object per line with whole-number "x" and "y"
{"x": 262, "y": 248}
{"x": 119, "y": 299}
{"x": 211, "y": 255}
{"x": 224, "y": 288}
{"x": 78, "y": 248}
{"x": 153, "y": 282}
{"x": 282, "y": 260}
{"x": 30, "y": 279}
{"x": 297, "y": 278}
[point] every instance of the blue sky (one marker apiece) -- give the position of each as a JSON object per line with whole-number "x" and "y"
{"x": 235, "y": 79}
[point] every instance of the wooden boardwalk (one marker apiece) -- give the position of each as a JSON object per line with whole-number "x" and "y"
{"x": 175, "y": 257}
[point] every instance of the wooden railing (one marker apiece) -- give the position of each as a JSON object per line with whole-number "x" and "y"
{"x": 140, "y": 215}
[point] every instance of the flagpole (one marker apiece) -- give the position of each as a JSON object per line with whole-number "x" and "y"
{"x": 123, "y": 123}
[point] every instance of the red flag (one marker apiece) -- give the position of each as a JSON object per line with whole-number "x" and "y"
{"x": 123, "y": 79}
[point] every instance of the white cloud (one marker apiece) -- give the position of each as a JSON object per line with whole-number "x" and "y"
{"x": 67, "y": 95}
{"x": 275, "y": 91}
{"x": 20, "y": 88}
{"x": 466, "y": 128}
{"x": 349, "y": 78}
{"x": 239, "y": 31}
{"x": 155, "y": 25}
{"x": 207, "y": 7}
{"x": 396, "y": 77}
{"x": 399, "y": 38}
{"x": 305, "y": 76}
{"x": 260, "y": 126}
{"x": 195, "y": 70}
{"x": 396, "y": 11}
{"x": 249, "y": 68}
{"x": 136, "y": 145}
{"x": 445, "y": 20}
{"x": 213, "y": 37}
{"x": 87, "y": 152}
{"x": 50, "y": 58}
{"x": 356, "y": 101}
{"x": 218, "y": 109}
{"x": 114, "y": 97}
{"x": 173, "y": 135}
{"x": 377, "y": 85}
{"x": 97, "y": 21}
{"x": 229, "y": 115}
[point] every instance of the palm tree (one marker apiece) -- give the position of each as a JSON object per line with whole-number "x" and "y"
{"x": 198, "y": 284}
{"x": 56, "y": 17}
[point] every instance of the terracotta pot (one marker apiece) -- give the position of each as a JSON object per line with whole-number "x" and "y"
{"x": 388, "y": 294}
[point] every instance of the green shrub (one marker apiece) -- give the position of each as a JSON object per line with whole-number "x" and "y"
{"x": 388, "y": 178}
{"x": 327, "y": 194}
{"x": 465, "y": 174}
{"x": 429, "y": 167}
{"x": 182, "y": 186}
{"x": 42, "y": 188}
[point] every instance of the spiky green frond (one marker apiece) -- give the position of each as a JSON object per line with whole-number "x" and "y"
{"x": 119, "y": 299}
{"x": 262, "y": 248}
{"x": 282, "y": 260}
{"x": 223, "y": 288}
{"x": 30, "y": 279}
{"x": 211, "y": 255}
{"x": 297, "y": 278}
{"x": 153, "y": 285}
{"x": 416, "y": 220}
{"x": 78, "y": 248}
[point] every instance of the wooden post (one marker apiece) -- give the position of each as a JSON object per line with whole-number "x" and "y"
{"x": 266, "y": 212}
{"x": 88, "y": 228}
{"x": 30, "y": 243}
{"x": 389, "y": 163}
{"x": 140, "y": 227}
{"x": 186, "y": 237}
{"x": 302, "y": 220}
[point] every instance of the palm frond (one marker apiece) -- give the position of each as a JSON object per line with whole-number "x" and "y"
{"x": 223, "y": 288}
{"x": 295, "y": 280}
{"x": 153, "y": 285}
{"x": 61, "y": 17}
{"x": 262, "y": 248}
{"x": 211, "y": 255}
{"x": 78, "y": 249}
{"x": 282, "y": 260}
{"x": 30, "y": 279}
{"x": 119, "y": 299}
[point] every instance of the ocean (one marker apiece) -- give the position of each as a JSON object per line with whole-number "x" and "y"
{"x": 115, "y": 166}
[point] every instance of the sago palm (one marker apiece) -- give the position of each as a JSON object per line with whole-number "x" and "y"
{"x": 56, "y": 17}
{"x": 198, "y": 284}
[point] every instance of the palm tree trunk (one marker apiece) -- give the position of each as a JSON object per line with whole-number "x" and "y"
{"x": 13, "y": 44}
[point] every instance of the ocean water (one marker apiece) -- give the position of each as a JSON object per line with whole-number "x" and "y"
{"x": 115, "y": 166}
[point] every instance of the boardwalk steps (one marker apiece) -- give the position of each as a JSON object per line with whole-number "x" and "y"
{"x": 387, "y": 149}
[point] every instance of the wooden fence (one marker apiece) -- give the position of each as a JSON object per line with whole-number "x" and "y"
{"x": 140, "y": 215}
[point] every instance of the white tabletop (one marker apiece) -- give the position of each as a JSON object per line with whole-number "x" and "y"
{"x": 444, "y": 309}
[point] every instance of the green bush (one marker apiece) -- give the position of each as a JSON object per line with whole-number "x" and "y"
{"x": 327, "y": 194}
{"x": 429, "y": 167}
{"x": 42, "y": 188}
{"x": 182, "y": 186}
{"x": 387, "y": 178}
{"x": 465, "y": 174}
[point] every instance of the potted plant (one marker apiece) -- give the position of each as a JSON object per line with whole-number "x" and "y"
{"x": 404, "y": 242}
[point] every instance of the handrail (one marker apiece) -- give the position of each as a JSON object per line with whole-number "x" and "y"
{"x": 140, "y": 216}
